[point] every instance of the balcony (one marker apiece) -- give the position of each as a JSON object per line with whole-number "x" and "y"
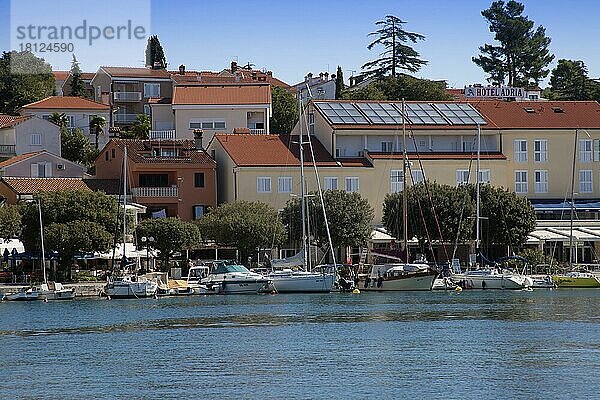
{"x": 127, "y": 96}
{"x": 122, "y": 118}
{"x": 7, "y": 150}
{"x": 258, "y": 131}
{"x": 162, "y": 135}
{"x": 170, "y": 191}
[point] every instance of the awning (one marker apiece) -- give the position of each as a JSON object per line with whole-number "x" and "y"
{"x": 566, "y": 205}
{"x": 563, "y": 234}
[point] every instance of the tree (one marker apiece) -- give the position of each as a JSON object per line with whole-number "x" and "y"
{"x": 570, "y": 81}
{"x": 248, "y": 226}
{"x": 339, "y": 83}
{"x": 74, "y": 221}
{"x": 155, "y": 55}
{"x": 285, "y": 111}
{"x": 170, "y": 235}
{"x": 10, "y": 221}
{"x": 97, "y": 125}
{"x": 140, "y": 128}
{"x": 350, "y": 218}
{"x": 522, "y": 56}
{"x": 76, "y": 147}
{"x": 397, "y": 54}
{"x": 402, "y": 87}
{"x": 24, "y": 78}
{"x": 59, "y": 119}
{"x": 77, "y": 84}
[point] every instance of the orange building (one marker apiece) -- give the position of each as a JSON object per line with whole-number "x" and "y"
{"x": 170, "y": 177}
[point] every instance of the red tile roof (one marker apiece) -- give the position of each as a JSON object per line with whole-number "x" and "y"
{"x": 66, "y": 103}
{"x": 271, "y": 150}
{"x": 16, "y": 159}
{"x": 222, "y": 94}
{"x": 130, "y": 72}
{"x": 437, "y": 156}
{"x": 513, "y": 114}
{"x": 140, "y": 151}
{"x": 61, "y": 75}
{"x": 35, "y": 185}
{"x": 8, "y": 121}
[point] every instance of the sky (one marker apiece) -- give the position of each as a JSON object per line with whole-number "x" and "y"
{"x": 292, "y": 38}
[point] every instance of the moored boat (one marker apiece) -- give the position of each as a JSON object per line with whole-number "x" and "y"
{"x": 491, "y": 278}
{"x": 289, "y": 281}
{"x": 25, "y": 294}
{"x": 576, "y": 279}
{"x": 399, "y": 277}
{"x": 55, "y": 291}
{"x": 236, "y": 279}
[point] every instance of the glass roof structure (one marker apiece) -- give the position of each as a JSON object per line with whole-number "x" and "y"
{"x": 460, "y": 113}
{"x": 380, "y": 113}
{"x": 342, "y": 113}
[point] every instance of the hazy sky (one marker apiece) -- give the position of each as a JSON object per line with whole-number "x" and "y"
{"x": 295, "y": 37}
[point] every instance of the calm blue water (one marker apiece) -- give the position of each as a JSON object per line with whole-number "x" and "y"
{"x": 487, "y": 345}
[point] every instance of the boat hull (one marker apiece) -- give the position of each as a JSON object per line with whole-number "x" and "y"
{"x": 130, "y": 290}
{"x": 513, "y": 282}
{"x": 22, "y": 296}
{"x": 242, "y": 286}
{"x": 413, "y": 281}
{"x": 63, "y": 294}
{"x": 310, "y": 283}
{"x": 575, "y": 282}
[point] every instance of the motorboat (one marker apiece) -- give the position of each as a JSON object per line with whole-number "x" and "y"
{"x": 399, "y": 277}
{"x": 444, "y": 283}
{"x": 25, "y": 294}
{"x": 576, "y": 279}
{"x": 491, "y": 278}
{"x": 290, "y": 281}
{"x": 542, "y": 282}
{"x": 196, "y": 274}
{"x": 236, "y": 279}
{"x": 55, "y": 291}
{"x": 129, "y": 287}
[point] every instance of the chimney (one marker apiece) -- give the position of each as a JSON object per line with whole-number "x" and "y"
{"x": 320, "y": 76}
{"x": 270, "y": 73}
{"x": 234, "y": 66}
{"x": 309, "y": 77}
{"x": 332, "y": 76}
{"x": 198, "y": 138}
{"x": 326, "y": 76}
{"x": 182, "y": 69}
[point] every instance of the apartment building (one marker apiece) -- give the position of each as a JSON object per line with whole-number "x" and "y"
{"x": 41, "y": 164}
{"x": 169, "y": 177}
{"x": 86, "y": 78}
{"x": 26, "y": 134}
{"x": 320, "y": 87}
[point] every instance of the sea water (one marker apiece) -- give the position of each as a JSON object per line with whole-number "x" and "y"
{"x": 474, "y": 344}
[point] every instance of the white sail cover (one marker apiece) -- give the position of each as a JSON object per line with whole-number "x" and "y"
{"x": 293, "y": 261}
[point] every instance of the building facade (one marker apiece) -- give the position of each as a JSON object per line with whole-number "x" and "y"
{"x": 27, "y": 134}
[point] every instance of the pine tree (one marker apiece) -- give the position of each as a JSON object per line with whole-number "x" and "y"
{"x": 77, "y": 84}
{"x": 155, "y": 55}
{"x": 398, "y": 54}
{"x": 339, "y": 83}
{"x": 569, "y": 81}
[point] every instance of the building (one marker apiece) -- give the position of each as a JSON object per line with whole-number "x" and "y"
{"x": 27, "y": 134}
{"x": 59, "y": 79}
{"x": 127, "y": 91}
{"x": 318, "y": 88}
{"x": 86, "y": 77}
{"x": 211, "y": 108}
{"x": 169, "y": 177}
{"x": 79, "y": 113}
{"x": 41, "y": 164}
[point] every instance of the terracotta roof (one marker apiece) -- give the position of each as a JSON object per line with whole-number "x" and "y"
{"x": 87, "y": 76}
{"x": 140, "y": 151}
{"x": 271, "y": 150}
{"x": 222, "y": 94}
{"x": 61, "y": 75}
{"x": 437, "y": 156}
{"x": 18, "y": 158}
{"x": 34, "y": 185}
{"x": 130, "y": 72}
{"x": 161, "y": 100}
{"x": 67, "y": 103}
{"x": 8, "y": 121}
{"x": 354, "y": 162}
{"x": 542, "y": 114}
{"x": 458, "y": 94}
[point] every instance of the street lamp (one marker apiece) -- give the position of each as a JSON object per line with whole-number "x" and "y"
{"x": 148, "y": 239}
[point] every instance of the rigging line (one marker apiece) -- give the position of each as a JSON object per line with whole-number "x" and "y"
{"x": 435, "y": 216}
{"x": 412, "y": 179}
{"x": 465, "y": 198}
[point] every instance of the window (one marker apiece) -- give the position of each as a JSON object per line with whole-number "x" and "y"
{"x": 352, "y": 184}
{"x": 311, "y": 123}
{"x": 396, "y": 180}
{"x": 387, "y": 147}
{"x": 199, "y": 211}
{"x": 106, "y": 156}
{"x": 41, "y": 170}
{"x": 98, "y": 93}
{"x": 151, "y": 90}
{"x": 195, "y": 124}
{"x": 462, "y": 176}
{"x": 46, "y": 117}
{"x": 540, "y": 150}
{"x": 204, "y": 124}
{"x": 585, "y": 150}
{"x": 199, "y": 179}
{"x": 330, "y": 183}
{"x": 417, "y": 176}
{"x": 147, "y": 109}
{"x": 263, "y": 184}
{"x": 70, "y": 121}
{"x": 520, "y": 150}
{"x": 520, "y": 181}
{"x": 585, "y": 181}
{"x": 36, "y": 139}
{"x": 339, "y": 152}
{"x": 540, "y": 181}
{"x": 220, "y": 125}
{"x": 484, "y": 176}
{"x": 165, "y": 152}
{"x": 153, "y": 180}
{"x": 285, "y": 184}
{"x": 113, "y": 153}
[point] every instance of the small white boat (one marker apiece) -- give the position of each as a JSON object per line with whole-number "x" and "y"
{"x": 236, "y": 279}
{"x": 130, "y": 286}
{"x": 25, "y": 294}
{"x": 399, "y": 277}
{"x": 491, "y": 278}
{"x": 445, "y": 283}
{"x": 56, "y": 291}
{"x": 542, "y": 282}
{"x": 289, "y": 281}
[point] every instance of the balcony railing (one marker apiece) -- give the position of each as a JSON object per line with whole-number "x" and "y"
{"x": 122, "y": 118}
{"x": 7, "y": 149}
{"x": 258, "y": 131}
{"x": 154, "y": 191}
{"x": 127, "y": 96}
{"x": 162, "y": 135}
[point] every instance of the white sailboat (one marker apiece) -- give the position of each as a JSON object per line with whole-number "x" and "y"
{"x": 128, "y": 285}
{"x": 402, "y": 276}
{"x": 487, "y": 277}
{"x": 287, "y": 280}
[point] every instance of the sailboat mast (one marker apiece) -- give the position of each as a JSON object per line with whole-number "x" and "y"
{"x": 404, "y": 181}
{"x": 124, "y": 199}
{"x": 302, "y": 194}
{"x": 572, "y": 201}
{"x": 42, "y": 239}
{"x": 477, "y": 183}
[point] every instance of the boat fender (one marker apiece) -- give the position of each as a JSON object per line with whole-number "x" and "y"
{"x": 356, "y": 291}
{"x": 458, "y": 289}
{"x": 45, "y": 300}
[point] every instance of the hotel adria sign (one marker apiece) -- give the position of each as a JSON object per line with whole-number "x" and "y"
{"x": 494, "y": 91}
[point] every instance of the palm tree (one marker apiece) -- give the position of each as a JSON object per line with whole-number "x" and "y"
{"x": 97, "y": 125}
{"x": 59, "y": 119}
